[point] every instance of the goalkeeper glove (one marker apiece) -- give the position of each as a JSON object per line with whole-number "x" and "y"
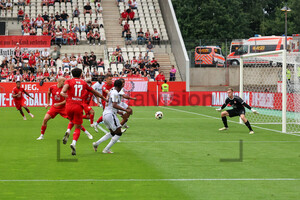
{"x": 219, "y": 109}
{"x": 254, "y": 111}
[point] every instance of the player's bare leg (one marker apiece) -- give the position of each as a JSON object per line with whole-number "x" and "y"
{"x": 76, "y": 135}
{"x": 31, "y": 115}
{"x": 224, "y": 115}
{"x": 44, "y": 126}
{"x": 22, "y": 113}
{"x": 247, "y": 123}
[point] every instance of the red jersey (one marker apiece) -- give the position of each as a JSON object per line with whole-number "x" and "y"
{"x": 77, "y": 90}
{"x": 87, "y": 97}
{"x": 16, "y": 91}
{"x": 106, "y": 87}
{"x": 55, "y": 95}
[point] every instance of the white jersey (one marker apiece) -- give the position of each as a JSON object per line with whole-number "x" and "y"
{"x": 98, "y": 87}
{"x": 113, "y": 97}
{"x": 121, "y": 93}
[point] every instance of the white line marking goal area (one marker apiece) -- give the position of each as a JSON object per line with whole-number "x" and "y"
{"x": 219, "y": 118}
{"x": 155, "y": 180}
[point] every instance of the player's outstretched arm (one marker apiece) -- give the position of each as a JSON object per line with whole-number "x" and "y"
{"x": 128, "y": 97}
{"x": 116, "y": 106}
{"x": 63, "y": 92}
{"x": 60, "y": 104}
{"x": 97, "y": 94}
{"x": 28, "y": 94}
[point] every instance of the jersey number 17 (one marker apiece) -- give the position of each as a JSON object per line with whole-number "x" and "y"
{"x": 78, "y": 89}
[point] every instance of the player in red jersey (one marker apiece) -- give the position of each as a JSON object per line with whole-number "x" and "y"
{"x": 58, "y": 107}
{"x": 108, "y": 85}
{"x": 19, "y": 99}
{"x": 89, "y": 112}
{"x": 74, "y": 90}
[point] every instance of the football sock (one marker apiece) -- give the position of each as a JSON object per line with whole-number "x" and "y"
{"x": 27, "y": 110}
{"x": 100, "y": 120}
{"x": 21, "y": 111}
{"x": 76, "y": 134}
{"x": 74, "y": 142}
{"x": 84, "y": 116}
{"x": 70, "y": 126}
{"x": 92, "y": 119}
{"x": 112, "y": 142}
{"x": 104, "y": 138}
{"x": 248, "y": 125}
{"x": 43, "y": 129}
{"x": 224, "y": 119}
{"x": 83, "y": 129}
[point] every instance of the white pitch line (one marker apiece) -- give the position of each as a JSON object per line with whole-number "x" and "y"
{"x": 155, "y": 180}
{"x": 208, "y": 116}
{"x": 124, "y": 141}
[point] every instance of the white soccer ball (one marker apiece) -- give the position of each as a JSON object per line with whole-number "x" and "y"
{"x": 159, "y": 115}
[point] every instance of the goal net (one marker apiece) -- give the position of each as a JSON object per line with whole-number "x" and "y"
{"x": 270, "y": 83}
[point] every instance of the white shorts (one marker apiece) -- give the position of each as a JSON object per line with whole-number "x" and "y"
{"x": 111, "y": 121}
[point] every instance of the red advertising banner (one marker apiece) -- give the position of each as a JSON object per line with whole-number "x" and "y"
{"x": 135, "y": 84}
{"x": 25, "y": 41}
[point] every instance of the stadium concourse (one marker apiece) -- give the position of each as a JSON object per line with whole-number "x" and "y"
{"x": 88, "y": 36}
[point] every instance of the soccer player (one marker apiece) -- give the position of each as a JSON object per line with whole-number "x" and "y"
{"x": 111, "y": 120}
{"x": 74, "y": 90}
{"x": 98, "y": 87}
{"x": 58, "y": 107}
{"x": 238, "y": 105}
{"x": 108, "y": 85}
{"x": 89, "y": 112}
{"x": 19, "y": 99}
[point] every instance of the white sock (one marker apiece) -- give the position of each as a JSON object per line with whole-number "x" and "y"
{"x": 104, "y": 138}
{"x": 68, "y": 130}
{"x": 112, "y": 142}
{"x": 86, "y": 132}
{"x": 102, "y": 129}
{"x": 74, "y": 142}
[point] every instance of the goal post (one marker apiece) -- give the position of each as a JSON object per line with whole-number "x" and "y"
{"x": 265, "y": 86}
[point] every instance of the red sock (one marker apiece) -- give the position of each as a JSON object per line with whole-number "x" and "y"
{"x": 92, "y": 119}
{"x": 100, "y": 119}
{"x": 70, "y": 125}
{"x": 84, "y": 116}
{"x": 43, "y": 129}
{"x": 83, "y": 129}
{"x": 76, "y": 134}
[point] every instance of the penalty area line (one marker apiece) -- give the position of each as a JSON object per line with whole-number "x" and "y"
{"x": 208, "y": 116}
{"x": 155, "y": 180}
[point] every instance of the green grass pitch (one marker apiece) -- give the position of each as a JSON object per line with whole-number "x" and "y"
{"x": 177, "y": 157}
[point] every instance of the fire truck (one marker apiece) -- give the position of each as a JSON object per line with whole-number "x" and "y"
{"x": 257, "y": 44}
{"x": 209, "y": 56}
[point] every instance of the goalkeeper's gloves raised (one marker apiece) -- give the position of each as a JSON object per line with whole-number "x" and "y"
{"x": 219, "y": 109}
{"x": 254, "y": 111}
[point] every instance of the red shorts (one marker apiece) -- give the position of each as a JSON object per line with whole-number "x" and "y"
{"x": 55, "y": 111}
{"x": 86, "y": 108}
{"x": 19, "y": 103}
{"x": 75, "y": 112}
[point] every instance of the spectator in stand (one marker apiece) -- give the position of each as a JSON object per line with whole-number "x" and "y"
{"x": 76, "y": 12}
{"x": 20, "y": 15}
{"x": 96, "y": 24}
{"x": 172, "y": 74}
{"x": 93, "y": 60}
{"x": 130, "y": 74}
{"x": 124, "y": 16}
{"x": 66, "y": 62}
{"x": 160, "y": 77}
{"x": 82, "y": 28}
{"x": 73, "y": 63}
{"x": 39, "y": 76}
{"x": 72, "y": 37}
{"x": 45, "y": 17}
{"x": 99, "y": 8}
{"x": 146, "y": 58}
{"x": 18, "y": 76}
{"x": 9, "y": 5}
{"x": 45, "y": 54}
{"x": 147, "y": 36}
{"x": 52, "y": 63}
{"x": 65, "y": 36}
{"x": 55, "y": 54}
{"x": 45, "y": 3}
{"x": 90, "y": 37}
{"x": 87, "y": 8}
{"x": 155, "y": 65}
{"x": 133, "y": 5}
{"x": 57, "y": 17}
{"x": 131, "y": 14}
{"x": 125, "y": 28}
{"x": 86, "y": 60}
{"x": 89, "y": 27}
{"x": 32, "y": 60}
{"x": 118, "y": 49}
{"x": 21, "y": 3}
{"x": 97, "y": 37}
{"x": 116, "y": 74}
{"x": 46, "y": 76}
{"x": 79, "y": 59}
{"x": 128, "y": 38}
{"x": 149, "y": 47}
{"x": 64, "y": 16}
{"x": 100, "y": 64}
{"x": 140, "y": 38}
{"x": 120, "y": 58}
{"x": 51, "y": 2}
{"x": 156, "y": 37}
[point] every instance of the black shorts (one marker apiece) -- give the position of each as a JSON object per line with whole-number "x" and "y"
{"x": 236, "y": 112}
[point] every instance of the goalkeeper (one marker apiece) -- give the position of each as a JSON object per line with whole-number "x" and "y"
{"x": 238, "y": 105}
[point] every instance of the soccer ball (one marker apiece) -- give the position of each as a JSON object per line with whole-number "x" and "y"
{"x": 159, "y": 115}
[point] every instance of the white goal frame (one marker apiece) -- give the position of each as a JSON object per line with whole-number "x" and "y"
{"x": 284, "y": 85}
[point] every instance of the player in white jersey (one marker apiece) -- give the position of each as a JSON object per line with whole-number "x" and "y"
{"x": 110, "y": 118}
{"x": 98, "y": 87}
{"x": 124, "y": 105}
